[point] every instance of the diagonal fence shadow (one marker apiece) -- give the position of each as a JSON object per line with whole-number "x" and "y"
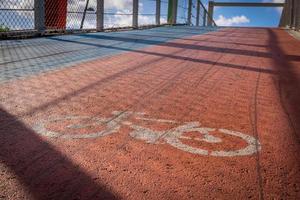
{"x": 181, "y": 45}
{"x": 41, "y": 169}
{"x": 160, "y": 56}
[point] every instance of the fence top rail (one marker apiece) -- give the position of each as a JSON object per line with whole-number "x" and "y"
{"x": 247, "y": 4}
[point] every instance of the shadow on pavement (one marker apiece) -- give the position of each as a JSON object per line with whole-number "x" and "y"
{"x": 41, "y": 169}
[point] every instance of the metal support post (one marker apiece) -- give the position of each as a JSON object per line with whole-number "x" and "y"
{"x": 190, "y": 12}
{"x": 210, "y": 13}
{"x": 100, "y": 15}
{"x": 172, "y": 11}
{"x": 175, "y": 5}
{"x": 39, "y": 15}
{"x": 297, "y": 14}
{"x": 158, "y": 12}
{"x": 204, "y": 18}
{"x": 198, "y": 13}
{"x": 290, "y": 13}
{"x": 135, "y": 14}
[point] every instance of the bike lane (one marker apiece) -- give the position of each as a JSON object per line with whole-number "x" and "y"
{"x": 216, "y": 89}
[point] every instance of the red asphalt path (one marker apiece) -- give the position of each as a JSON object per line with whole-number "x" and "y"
{"x": 245, "y": 80}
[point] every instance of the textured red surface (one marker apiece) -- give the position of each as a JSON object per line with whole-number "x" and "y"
{"x": 245, "y": 80}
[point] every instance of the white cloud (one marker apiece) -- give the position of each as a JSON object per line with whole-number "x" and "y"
{"x": 118, "y": 4}
{"x": 233, "y": 21}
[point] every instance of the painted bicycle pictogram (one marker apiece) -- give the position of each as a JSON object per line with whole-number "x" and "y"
{"x": 172, "y": 136}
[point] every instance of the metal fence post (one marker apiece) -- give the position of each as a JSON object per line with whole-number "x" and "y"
{"x": 100, "y": 15}
{"x": 204, "y": 18}
{"x": 158, "y": 12}
{"x": 39, "y": 15}
{"x": 295, "y": 11}
{"x": 175, "y": 7}
{"x": 210, "y": 13}
{"x": 290, "y": 13}
{"x": 198, "y": 13}
{"x": 172, "y": 11}
{"x": 190, "y": 12}
{"x": 135, "y": 13}
{"x": 287, "y": 13}
{"x": 297, "y": 14}
{"x": 283, "y": 18}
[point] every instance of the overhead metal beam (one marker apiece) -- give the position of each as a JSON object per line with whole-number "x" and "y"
{"x": 246, "y": 4}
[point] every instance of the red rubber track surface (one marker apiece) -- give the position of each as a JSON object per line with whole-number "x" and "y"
{"x": 241, "y": 79}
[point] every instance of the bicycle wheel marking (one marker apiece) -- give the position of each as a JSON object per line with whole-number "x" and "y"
{"x": 172, "y": 136}
{"x": 112, "y": 126}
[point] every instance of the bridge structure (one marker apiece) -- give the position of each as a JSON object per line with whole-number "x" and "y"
{"x": 105, "y": 99}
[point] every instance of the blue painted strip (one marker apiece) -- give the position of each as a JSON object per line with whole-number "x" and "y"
{"x": 22, "y": 58}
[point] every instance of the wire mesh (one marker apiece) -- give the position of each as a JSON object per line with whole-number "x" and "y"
{"x": 163, "y": 11}
{"x": 194, "y": 13}
{"x": 202, "y": 16}
{"x": 118, "y": 13}
{"x": 16, "y": 15}
{"x": 147, "y": 12}
{"x": 81, "y": 14}
{"x": 182, "y": 12}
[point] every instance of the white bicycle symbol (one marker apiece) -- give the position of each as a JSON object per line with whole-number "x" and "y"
{"x": 173, "y": 136}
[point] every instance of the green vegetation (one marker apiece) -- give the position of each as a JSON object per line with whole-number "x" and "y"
{"x": 3, "y": 28}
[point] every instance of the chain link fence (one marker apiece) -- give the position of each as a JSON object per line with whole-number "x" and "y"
{"x": 16, "y": 15}
{"x": 118, "y": 14}
{"x": 48, "y": 16}
{"x": 164, "y": 11}
{"x": 147, "y": 12}
{"x": 182, "y": 12}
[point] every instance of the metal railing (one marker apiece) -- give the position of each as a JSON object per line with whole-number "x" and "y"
{"x": 291, "y": 15}
{"x": 199, "y": 15}
{"x": 60, "y": 16}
